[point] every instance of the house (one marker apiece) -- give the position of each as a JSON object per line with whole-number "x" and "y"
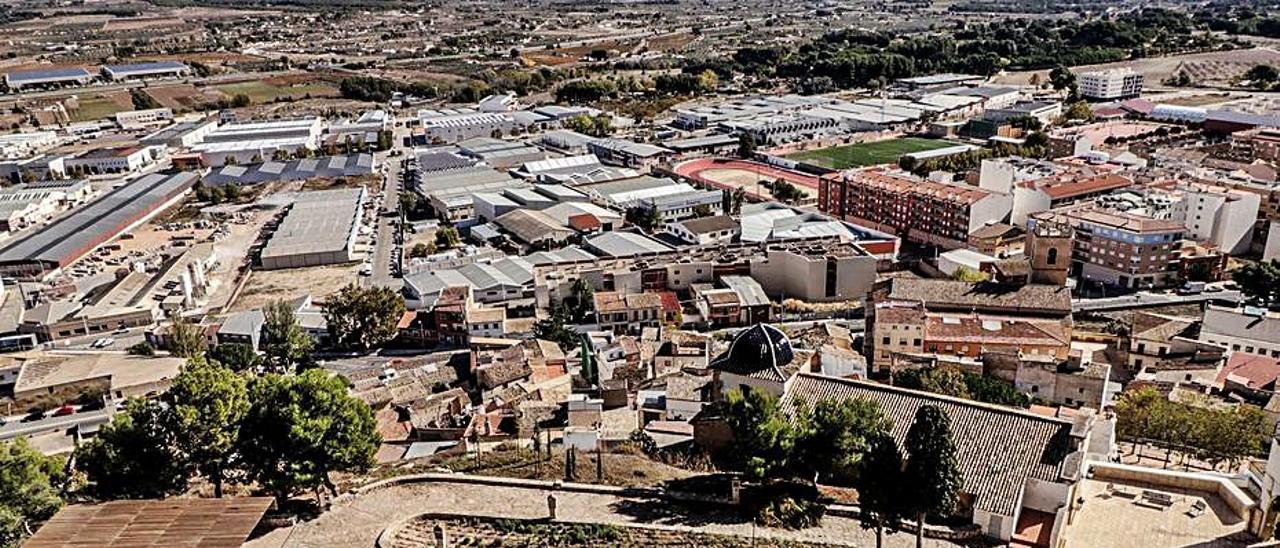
{"x": 760, "y": 357}
{"x": 1250, "y": 376}
{"x": 628, "y": 313}
{"x": 718, "y": 229}
{"x": 1012, "y": 461}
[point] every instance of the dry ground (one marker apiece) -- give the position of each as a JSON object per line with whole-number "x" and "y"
{"x": 266, "y": 286}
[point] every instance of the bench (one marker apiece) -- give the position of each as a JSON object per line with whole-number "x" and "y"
{"x": 1156, "y": 497}
{"x": 1198, "y": 509}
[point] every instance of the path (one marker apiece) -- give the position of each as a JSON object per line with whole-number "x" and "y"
{"x": 358, "y": 522}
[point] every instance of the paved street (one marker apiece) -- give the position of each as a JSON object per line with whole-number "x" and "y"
{"x": 385, "y": 244}
{"x": 358, "y": 522}
{"x": 15, "y": 427}
{"x": 1144, "y": 299}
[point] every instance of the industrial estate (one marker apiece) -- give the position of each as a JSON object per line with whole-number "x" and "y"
{"x": 577, "y": 273}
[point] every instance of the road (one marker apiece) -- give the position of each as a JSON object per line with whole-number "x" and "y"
{"x": 15, "y": 428}
{"x": 386, "y": 242}
{"x": 1143, "y": 299}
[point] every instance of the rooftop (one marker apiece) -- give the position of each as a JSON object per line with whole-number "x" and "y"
{"x": 194, "y": 522}
{"x": 995, "y": 464}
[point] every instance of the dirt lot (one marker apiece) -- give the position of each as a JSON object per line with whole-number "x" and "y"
{"x": 182, "y": 96}
{"x": 102, "y": 106}
{"x": 265, "y": 286}
{"x": 1214, "y": 68}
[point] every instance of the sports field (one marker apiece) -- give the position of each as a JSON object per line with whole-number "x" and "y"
{"x": 867, "y": 154}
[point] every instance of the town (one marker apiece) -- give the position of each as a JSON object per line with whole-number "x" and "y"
{"x": 581, "y": 273}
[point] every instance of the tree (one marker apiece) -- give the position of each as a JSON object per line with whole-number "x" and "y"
{"x": 879, "y": 484}
{"x": 447, "y": 238}
{"x": 185, "y": 339}
{"x": 284, "y": 342}
{"x": 1260, "y": 282}
{"x": 237, "y": 356}
{"x": 581, "y": 300}
{"x": 553, "y": 328}
{"x": 932, "y": 474}
{"x": 836, "y": 436}
{"x": 646, "y": 217}
{"x": 134, "y": 456}
{"x": 143, "y": 348}
{"x": 142, "y": 100}
{"x": 746, "y": 145}
{"x": 409, "y": 202}
{"x": 29, "y": 485}
{"x": 786, "y": 192}
{"x": 1079, "y": 110}
{"x": 1061, "y": 78}
{"x": 299, "y": 429}
{"x": 208, "y": 402}
{"x": 363, "y": 317}
{"x": 763, "y": 438}
{"x": 1262, "y": 76}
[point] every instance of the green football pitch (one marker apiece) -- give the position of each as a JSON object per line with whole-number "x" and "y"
{"x": 867, "y": 154}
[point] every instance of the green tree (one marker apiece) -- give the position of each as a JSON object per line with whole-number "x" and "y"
{"x": 746, "y": 145}
{"x": 143, "y": 100}
{"x": 409, "y": 202}
{"x": 1260, "y": 282}
{"x": 185, "y": 339}
{"x": 932, "y": 474}
{"x": 1262, "y": 76}
{"x": 237, "y": 356}
{"x": 581, "y": 300}
{"x": 143, "y": 348}
{"x": 284, "y": 342}
{"x": 835, "y": 437}
{"x": 763, "y": 438}
{"x": 879, "y": 486}
{"x": 300, "y": 429}
{"x": 1061, "y": 78}
{"x": 134, "y": 456}
{"x": 786, "y": 192}
{"x": 554, "y": 328}
{"x": 447, "y": 238}
{"x": 363, "y": 317}
{"x": 29, "y": 490}
{"x": 208, "y": 402}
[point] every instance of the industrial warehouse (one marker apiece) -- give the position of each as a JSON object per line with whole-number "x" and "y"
{"x": 320, "y": 228}
{"x": 138, "y": 71}
{"x": 64, "y": 241}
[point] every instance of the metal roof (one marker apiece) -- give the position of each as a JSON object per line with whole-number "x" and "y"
{"x": 319, "y": 222}
{"x": 48, "y": 75}
{"x": 73, "y": 235}
{"x": 145, "y": 68}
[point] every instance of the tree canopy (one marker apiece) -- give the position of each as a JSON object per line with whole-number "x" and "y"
{"x": 208, "y": 401}
{"x": 135, "y": 456}
{"x": 1260, "y": 282}
{"x": 284, "y": 342}
{"x": 932, "y": 472}
{"x": 299, "y": 429}
{"x": 363, "y": 317}
{"x": 29, "y": 490}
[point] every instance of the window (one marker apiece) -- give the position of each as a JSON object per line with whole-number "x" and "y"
{"x": 884, "y": 340}
{"x": 1052, "y": 256}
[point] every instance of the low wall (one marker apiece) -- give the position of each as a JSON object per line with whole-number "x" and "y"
{"x": 1233, "y": 496}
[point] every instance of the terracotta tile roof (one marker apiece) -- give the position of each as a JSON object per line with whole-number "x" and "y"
{"x": 1000, "y": 449}
{"x": 1060, "y": 187}
{"x": 988, "y": 329}
{"x": 982, "y": 296}
{"x": 203, "y": 523}
{"x": 1250, "y": 370}
{"x": 962, "y": 194}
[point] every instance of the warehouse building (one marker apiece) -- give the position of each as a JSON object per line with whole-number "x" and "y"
{"x": 25, "y": 145}
{"x": 112, "y": 160}
{"x": 25, "y": 79}
{"x": 320, "y": 228}
{"x": 140, "y": 71}
{"x": 139, "y": 119}
{"x": 71, "y": 237}
{"x": 182, "y": 134}
{"x": 324, "y": 167}
{"x": 254, "y": 142}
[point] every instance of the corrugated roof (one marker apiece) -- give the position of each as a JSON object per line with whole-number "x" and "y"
{"x": 197, "y": 522}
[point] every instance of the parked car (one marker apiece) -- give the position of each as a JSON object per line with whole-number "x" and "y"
{"x": 34, "y": 415}
{"x": 64, "y": 411}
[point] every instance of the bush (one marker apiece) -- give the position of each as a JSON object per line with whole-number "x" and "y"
{"x": 142, "y": 349}
{"x": 783, "y": 505}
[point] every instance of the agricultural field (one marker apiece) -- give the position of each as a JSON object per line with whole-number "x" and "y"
{"x": 867, "y": 154}
{"x": 101, "y": 106}
{"x": 267, "y": 91}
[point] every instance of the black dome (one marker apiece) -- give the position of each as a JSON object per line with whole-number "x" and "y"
{"x": 761, "y": 346}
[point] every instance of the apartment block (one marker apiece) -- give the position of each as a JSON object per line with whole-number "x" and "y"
{"x": 1110, "y": 84}
{"x": 920, "y": 210}
{"x": 1120, "y": 249}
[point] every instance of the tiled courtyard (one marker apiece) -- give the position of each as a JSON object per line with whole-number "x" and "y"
{"x": 1117, "y": 518}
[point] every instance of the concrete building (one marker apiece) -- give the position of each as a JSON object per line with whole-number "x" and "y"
{"x": 181, "y": 135}
{"x": 1248, "y": 329}
{"x": 72, "y": 236}
{"x": 320, "y": 228}
{"x": 139, "y": 119}
{"x": 1045, "y": 111}
{"x": 143, "y": 71}
{"x": 440, "y": 127}
{"x": 920, "y": 210}
{"x": 17, "y": 146}
{"x": 49, "y": 78}
{"x": 112, "y": 160}
{"x": 706, "y": 230}
{"x": 628, "y": 153}
{"x": 1220, "y": 216}
{"x": 253, "y": 142}
{"x": 1121, "y": 250}
{"x": 1110, "y": 84}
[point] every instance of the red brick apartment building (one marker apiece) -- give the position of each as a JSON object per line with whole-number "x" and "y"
{"x": 920, "y": 210}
